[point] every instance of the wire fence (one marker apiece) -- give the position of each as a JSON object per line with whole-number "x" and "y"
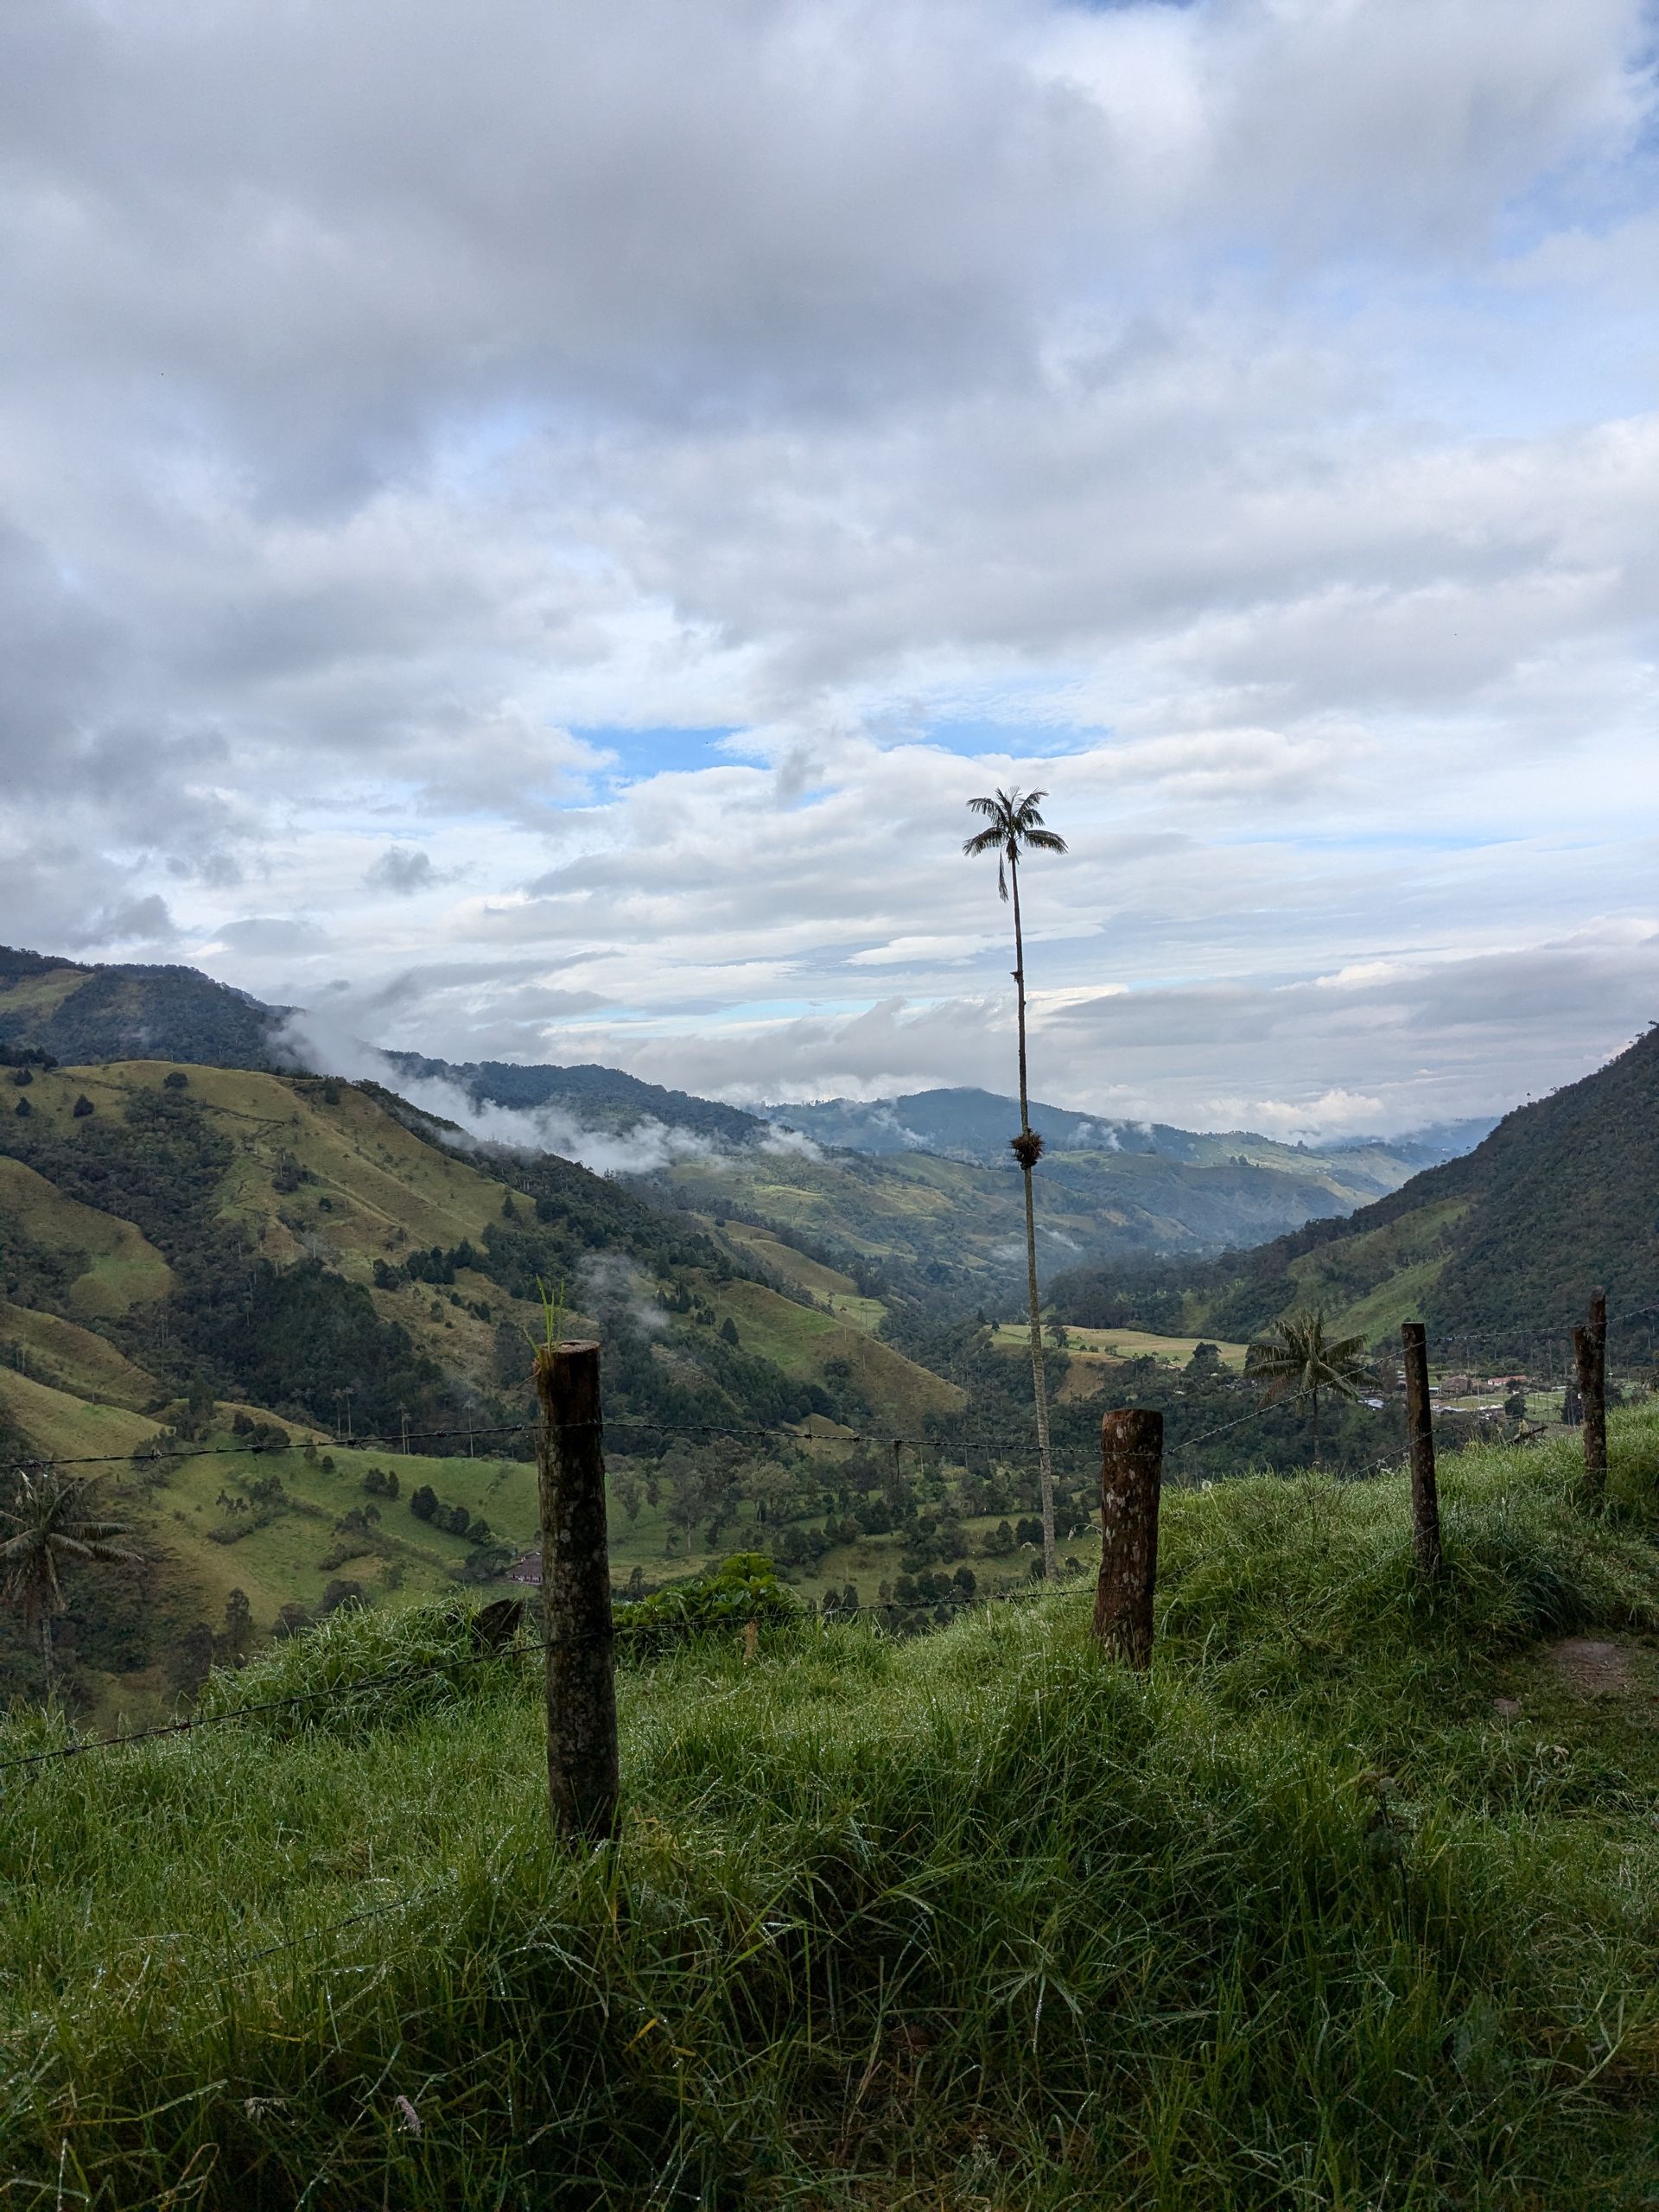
{"x": 923, "y": 1606}
{"x": 887, "y": 1615}
{"x": 693, "y": 1627}
{"x": 661, "y": 1631}
{"x": 404, "y": 1442}
{"x": 1548, "y": 1361}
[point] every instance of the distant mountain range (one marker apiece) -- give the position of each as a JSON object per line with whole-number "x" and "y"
{"x": 921, "y": 1189}
{"x": 976, "y": 1125}
{"x": 596, "y": 1097}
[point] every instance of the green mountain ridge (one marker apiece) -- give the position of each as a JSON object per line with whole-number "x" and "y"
{"x": 975, "y": 1125}
{"x": 1503, "y": 1244}
{"x": 192, "y": 1258}
{"x": 940, "y": 1223}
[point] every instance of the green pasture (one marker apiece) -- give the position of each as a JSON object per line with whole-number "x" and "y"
{"x": 1347, "y": 1903}
{"x": 1118, "y": 1344}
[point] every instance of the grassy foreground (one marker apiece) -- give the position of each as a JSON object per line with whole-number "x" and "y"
{"x": 1301, "y": 1919}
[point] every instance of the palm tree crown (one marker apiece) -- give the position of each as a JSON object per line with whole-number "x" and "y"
{"x": 1015, "y": 826}
{"x": 52, "y": 1532}
{"x": 1300, "y": 1358}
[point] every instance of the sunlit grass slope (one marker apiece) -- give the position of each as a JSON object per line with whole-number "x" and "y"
{"x": 801, "y": 1341}
{"x": 60, "y": 1352}
{"x": 315, "y": 1170}
{"x": 62, "y": 1424}
{"x": 111, "y": 1267}
{"x": 1302, "y": 1919}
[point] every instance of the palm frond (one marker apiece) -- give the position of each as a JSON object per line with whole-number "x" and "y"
{"x": 1016, "y": 826}
{"x": 1299, "y": 1355}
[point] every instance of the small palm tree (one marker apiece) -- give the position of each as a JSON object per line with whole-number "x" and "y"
{"x": 52, "y": 1531}
{"x": 1014, "y": 825}
{"x": 1299, "y": 1359}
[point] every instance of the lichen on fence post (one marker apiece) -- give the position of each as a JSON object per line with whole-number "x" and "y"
{"x": 582, "y": 1767}
{"x": 1419, "y": 1437}
{"x": 1131, "y": 1485}
{"x": 1590, "y": 1356}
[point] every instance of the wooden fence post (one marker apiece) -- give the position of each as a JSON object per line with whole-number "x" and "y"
{"x": 1420, "y": 1435}
{"x": 1590, "y": 1355}
{"x": 1131, "y": 1479}
{"x": 583, "y": 1772}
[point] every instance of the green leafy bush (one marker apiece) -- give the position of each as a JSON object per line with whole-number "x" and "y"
{"x": 740, "y": 1589}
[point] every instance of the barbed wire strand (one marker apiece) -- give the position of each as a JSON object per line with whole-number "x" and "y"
{"x": 400, "y": 1677}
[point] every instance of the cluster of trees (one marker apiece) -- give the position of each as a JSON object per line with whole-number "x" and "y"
{"x": 252, "y": 1429}
{"x": 1215, "y": 1420}
{"x": 454, "y": 1520}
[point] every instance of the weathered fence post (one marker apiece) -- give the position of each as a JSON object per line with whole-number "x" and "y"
{"x": 1590, "y": 1356}
{"x": 1131, "y": 1479}
{"x": 1419, "y": 1435}
{"x": 582, "y": 1770}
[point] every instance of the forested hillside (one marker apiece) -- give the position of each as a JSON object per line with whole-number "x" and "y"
{"x": 1504, "y": 1244}
{"x": 83, "y": 1015}
{"x": 924, "y": 1193}
{"x": 975, "y": 1125}
{"x": 595, "y": 1096}
{"x": 197, "y": 1260}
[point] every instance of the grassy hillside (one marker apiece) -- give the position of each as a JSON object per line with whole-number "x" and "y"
{"x": 805, "y": 1343}
{"x": 250, "y": 1179}
{"x": 1093, "y": 1355}
{"x": 59, "y": 1351}
{"x": 183, "y": 1248}
{"x": 102, "y": 1265}
{"x": 1347, "y": 1903}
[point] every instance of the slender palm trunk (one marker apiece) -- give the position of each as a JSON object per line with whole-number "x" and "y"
{"x": 1316, "y": 1427}
{"x": 1038, "y": 1374}
{"x": 46, "y": 1647}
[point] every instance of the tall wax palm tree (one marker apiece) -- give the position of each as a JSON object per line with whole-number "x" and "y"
{"x": 1014, "y": 826}
{"x": 1299, "y": 1359}
{"x": 52, "y": 1532}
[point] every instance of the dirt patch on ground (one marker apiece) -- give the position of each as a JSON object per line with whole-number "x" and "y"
{"x": 1592, "y": 1667}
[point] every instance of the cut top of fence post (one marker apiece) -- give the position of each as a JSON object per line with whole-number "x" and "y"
{"x": 567, "y": 1383}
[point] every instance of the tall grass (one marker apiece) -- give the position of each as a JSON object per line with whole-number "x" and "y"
{"x": 980, "y": 1921}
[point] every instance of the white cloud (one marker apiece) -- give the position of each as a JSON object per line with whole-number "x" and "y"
{"x": 401, "y": 870}
{"x": 1232, "y": 417}
{"x": 1335, "y": 1113}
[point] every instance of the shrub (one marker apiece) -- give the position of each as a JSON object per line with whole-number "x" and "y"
{"x": 740, "y": 1589}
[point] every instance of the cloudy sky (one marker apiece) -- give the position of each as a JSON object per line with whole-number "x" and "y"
{"x": 522, "y": 523}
